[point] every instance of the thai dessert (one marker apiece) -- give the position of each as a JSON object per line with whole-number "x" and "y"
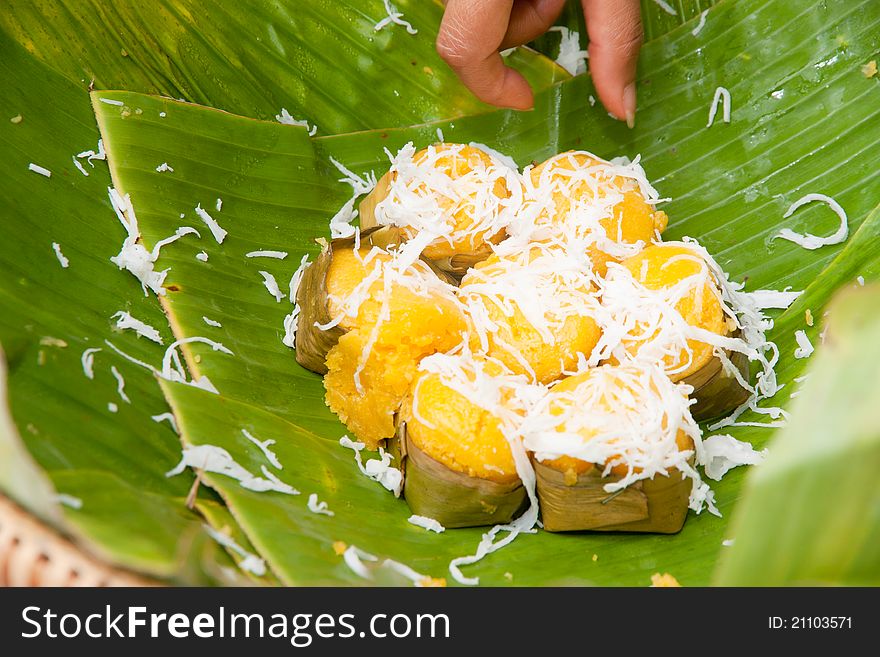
{"x": 525, "y": 350}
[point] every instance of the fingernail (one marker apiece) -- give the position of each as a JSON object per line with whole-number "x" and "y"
{"x": 629, "y": 104}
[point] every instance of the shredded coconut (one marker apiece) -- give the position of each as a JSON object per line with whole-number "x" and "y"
{"x": 264, "y": 447}
{"x": 125, "y": 321}
{"x": 379, "y": 470}
{"x": 218, "y": 232}
{"x": 164, "y": 167}
{"x": 665, "y": 6}
{"x": 212, "y": 458}
{"x": 65, "y": 263}
{"x": 571, "y": 57}
{"x": 272, "y": 285}
{"x": 79, "y": 166}
{"x": 110, "y": 101}
{"x": 318, "y": 507}
{"x": 279, "y": 255}
{"x": 88, "y": 362}
{"x": 394, "y": 17}
{"x": 721, "y": 95}
{"x": 426, "y": 523}
{"x": 250, "y": 563}
{"x": 701, "y": 24}
{"x": 805, "y": 347}
{"x": 166, "y": 417}
{"x": 354, "y": 558}
{"x": 133, "y": 256}
{"x": 211, "y": 322}
{"x": 202, "y": 256}
{"x": 120, "y": 384}
{"x": 286, "y": 119}
{"x": 723, "y": 452}
{"x": 340, "y": 223}
{"x": 69, "y": 500}
{"x": 809, "y": 241}
{"x": 43, "y": 171}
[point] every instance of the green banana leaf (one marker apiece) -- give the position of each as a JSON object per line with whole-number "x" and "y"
{"x": 810, "y": 494}
{"x": 730, "y": 185}
{"x": 113, "y": 462}
{"x": 255, "y": 57}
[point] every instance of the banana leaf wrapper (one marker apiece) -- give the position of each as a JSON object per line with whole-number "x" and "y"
{"x": 455, "y": 266}
{"x": 312, "y": 343}
{"x": 453, "y": 499}
{"x": 716, "y": 391}
{"x": 658, "y": 505}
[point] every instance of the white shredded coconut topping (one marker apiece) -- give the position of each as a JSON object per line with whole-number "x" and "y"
{"x": 125, "y": 321}
{"x": 212, "y": 458}
{"x": 264, "y": 447}
{"x": 69, "y": 500}
{"x": 426, "y": 201}
{"x": 250, "y": 563}
{"x": 318, "y": 507}
{"x": 120, "y": 384}
{"x": 571, "y": 57}
{"x": 394, "y": 17}
{"x": 211, "y": 322}
{"x": 723, "y": 452}
{"x": 113, "y": 408}
{"x": 340, "y": 224}
{"x": 164, "y": 167}
{"x": 665, "y": 6}
{"x": 701, "y": 23}
{"x": 805, "y": 347}
{"x": 809, "y": 241}
{"x": 65, "y": 263}
{"x": 166, "y": 417}
{"x": 79, "y": 166}
{"x": 426, "y": 523}
{"x": 43, "y": 171}
{"x": 286, "y": 119}
{"x": 110, "y": 101}
{"x": 354, "y": 558}
{"x": 379, "y": 470}
{"x": 202, "y": 256}
{"x": 88, "y": 362}
{"x": 272, "y": 285}
{"x": 721, "y": 95}
{"x": 278, "y": 255}
{"x": 134, "y": 257}
{"x": 218, "y": 232}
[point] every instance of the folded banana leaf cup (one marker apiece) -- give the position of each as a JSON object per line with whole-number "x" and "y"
{"x": 716, "y": 390}
{"x": 658, "y": 505}
{"x": 451, "y": 498}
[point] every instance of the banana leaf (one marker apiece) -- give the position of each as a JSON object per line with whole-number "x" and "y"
{"x": 113, "y": 463}
{"x": 257, "y": 56}
{"x": 804, "y": 119}
{"x": 818, "y": 505}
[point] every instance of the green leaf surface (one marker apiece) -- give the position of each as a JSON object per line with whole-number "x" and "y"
{"x": 113, "y": 462}
{"x": 818, "y": 494}
{"x": 730, "y": 185}
{"x": 322, "y": 60}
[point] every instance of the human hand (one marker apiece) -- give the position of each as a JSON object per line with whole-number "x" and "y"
{"x": 473, "y": 32}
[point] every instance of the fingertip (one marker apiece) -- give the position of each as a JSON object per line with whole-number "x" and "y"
{"x": 517, "y": 92}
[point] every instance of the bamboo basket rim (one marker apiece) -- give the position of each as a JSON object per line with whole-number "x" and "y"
{"x": 34, "y": 554}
